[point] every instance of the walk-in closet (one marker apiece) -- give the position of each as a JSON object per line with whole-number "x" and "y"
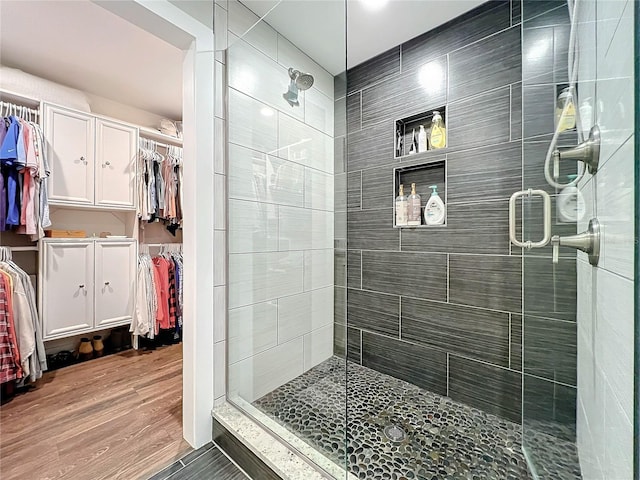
{"x": 91, "y": 234}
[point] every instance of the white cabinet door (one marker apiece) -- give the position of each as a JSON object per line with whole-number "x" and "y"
{"x": 115, "y": 282}
{"x": 67, "y": 288}
{"x": 70, "y": 146}
{"x": 115, "y": 164}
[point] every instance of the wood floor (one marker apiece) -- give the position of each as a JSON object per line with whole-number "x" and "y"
{"x": 118, "y": 417}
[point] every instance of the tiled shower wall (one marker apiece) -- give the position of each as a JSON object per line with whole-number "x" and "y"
{"x": 605, "y": 293}
{"x": 439, "y": 307}
{"x": 280, "y": 207}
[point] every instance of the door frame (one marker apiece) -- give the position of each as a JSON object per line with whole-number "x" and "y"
{"x": 169, "y": 23}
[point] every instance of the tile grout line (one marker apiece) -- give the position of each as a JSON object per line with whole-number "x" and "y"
{"x": 511, "y": 112}
{"x": 473, "y": 307}
{"x": 448, "y": 374}
{"x": 448, "y": 278}
{"x": 510, "y": 326}
{"x": 361, "y": 280}
{"x": 400, "y": 317}
{"x": 361, "y": 175}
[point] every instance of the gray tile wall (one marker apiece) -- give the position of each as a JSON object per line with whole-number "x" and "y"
{"x": 441, "y": 307}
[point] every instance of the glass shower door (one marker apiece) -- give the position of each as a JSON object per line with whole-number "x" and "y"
{"x": 578, "y": 309}
{"x": 285, "y": 112}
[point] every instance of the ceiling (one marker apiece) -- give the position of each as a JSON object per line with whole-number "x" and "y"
{"x": 317, "y": 26}
{"x": 80, "y": 44}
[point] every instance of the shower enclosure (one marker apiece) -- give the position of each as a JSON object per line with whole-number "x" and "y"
{"x": 487, "y": 347}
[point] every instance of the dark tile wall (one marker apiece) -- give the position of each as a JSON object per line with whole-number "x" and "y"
{"x": 442, "y": 307}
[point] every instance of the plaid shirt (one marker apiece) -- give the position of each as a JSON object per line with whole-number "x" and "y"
{"x": 9, "y": 354}
{"x": 172, "y": 294}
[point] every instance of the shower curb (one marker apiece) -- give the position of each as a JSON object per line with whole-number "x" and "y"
{"x": 256, "y": 450}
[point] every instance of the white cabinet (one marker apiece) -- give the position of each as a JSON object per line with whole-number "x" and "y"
{"x": 115, "y": 164}
{"x": 70, "y": 147}
{"x": 86, "y": 285}
{"x": 67, "y": 288}
{"x": 92, "y": 159}
{"x": 115, "y": 279}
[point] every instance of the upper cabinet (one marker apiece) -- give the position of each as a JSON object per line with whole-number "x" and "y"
{"x": 115, "y": 164}
{"x": 92, "y": 160}
{"x": 70, "y": 152}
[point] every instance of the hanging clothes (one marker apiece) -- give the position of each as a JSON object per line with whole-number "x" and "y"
{"x": 19, "y": 321}
{"x": 24, "y": 205}
{"x": 159, "y": 298}
{"x": 9, "y": 354}
{"x": 160, "y": 185}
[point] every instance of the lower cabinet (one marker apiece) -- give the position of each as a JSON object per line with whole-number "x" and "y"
{"x": 86, "y": 285}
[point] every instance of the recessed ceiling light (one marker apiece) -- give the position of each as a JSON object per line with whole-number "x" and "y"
{"x": 374, "y": 5}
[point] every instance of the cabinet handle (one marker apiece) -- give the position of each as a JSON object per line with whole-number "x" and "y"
{"x": 107, "y": 283}
{"x": 107, "y": 164}
{"x": 81, "y": 286}
{"x": 83, "y": 160}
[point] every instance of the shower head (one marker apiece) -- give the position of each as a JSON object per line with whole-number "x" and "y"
{"x": 304, "y": 81}
{"x": 299, "y": 81}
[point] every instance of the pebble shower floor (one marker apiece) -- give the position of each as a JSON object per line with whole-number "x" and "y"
{"x": 444, "y": 439}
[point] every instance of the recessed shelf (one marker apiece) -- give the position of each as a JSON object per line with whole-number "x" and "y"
{"x": 405, "y": 128}
{"x": 423, "y": 175}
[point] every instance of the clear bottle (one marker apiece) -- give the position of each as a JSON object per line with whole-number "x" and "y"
{"x": 422, "y": 140}
{"x": 414, "y": 143}
{"x": 415, "y": 204}
{"x": 402, "y": 208}
{"x": 570, "y": 204}
{"x": 438, "y": 132}
{"x": 565, "y": 111}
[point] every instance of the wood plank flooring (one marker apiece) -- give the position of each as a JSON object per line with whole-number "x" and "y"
{"x": 117, "y": 417}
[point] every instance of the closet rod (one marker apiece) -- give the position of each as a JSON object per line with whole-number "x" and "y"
{"x": 18, "y": 108}
{"x": 160, "y": 244}
{"x": 159, "y": 144}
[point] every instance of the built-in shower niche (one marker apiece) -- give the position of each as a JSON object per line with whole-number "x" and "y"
{"x": 405, "y": 128}
{"x": 423, "y": 175}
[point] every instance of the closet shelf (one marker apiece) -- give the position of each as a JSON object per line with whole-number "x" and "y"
{"x": 82, "y": 206}
{"x": 8, "y": 96}
{"x": 152, "y": 134}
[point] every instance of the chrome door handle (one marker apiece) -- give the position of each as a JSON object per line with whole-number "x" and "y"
{"x": 547, "y": 219}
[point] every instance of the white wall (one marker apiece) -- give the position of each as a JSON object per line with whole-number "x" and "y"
{"x": 605, "y": 293}
{"x": 127, "y": 113}
{"x": 280, "y": 181}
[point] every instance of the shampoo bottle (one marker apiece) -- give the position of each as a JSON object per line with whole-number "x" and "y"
{"x": 422, "y": 140}
{"x": 402, "y": 208}
{"x": 415, "y": 204}
{"x": 414, "y": 143}
{"x": 438, "y": 131}
{"x": 434, "y": 211}
{"x": 565, "y": 111}
{"x": 570, "y": 204}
